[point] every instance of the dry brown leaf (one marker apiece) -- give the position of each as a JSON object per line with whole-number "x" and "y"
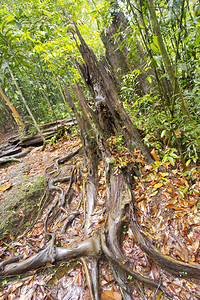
{"x": 10, "y": 297}
{"x": 147, "y": 168}
{"x": 142, "y": 207}
{"x": 154, "y": 154}
{"x": 155, "y": 271}
{"x": 171, "y": 205}
{"x": 16, "y": 286}
{"x": 5, "y": 187}
{"x": 140, "y": 160}
{"x": 179, "y": 214}
{"x": 111, "y": 295}
{"x": 154, "y": 193}
{"x": 170, "y": 189}
{"x": 29, "y": 280}
{"x": 195, "y": 245}
{"x": 157, "y": 186}
{"x": 79, "y": 280}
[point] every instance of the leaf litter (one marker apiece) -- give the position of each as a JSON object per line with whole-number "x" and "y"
{"x": 168, "y": 207}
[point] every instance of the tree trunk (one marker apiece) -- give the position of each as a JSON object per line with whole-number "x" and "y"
{"x": 115, "y": 39}
{"x": 27, "y": 107}
{"x": 112, "y": 117}
{"x": 12, "y": 108}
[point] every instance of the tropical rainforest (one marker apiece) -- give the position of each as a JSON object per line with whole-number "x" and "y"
{"x": 99, "y": 149}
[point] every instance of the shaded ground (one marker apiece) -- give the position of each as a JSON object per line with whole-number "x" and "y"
{"x": 168, "y": 209}
{"x": 20, "y": 207}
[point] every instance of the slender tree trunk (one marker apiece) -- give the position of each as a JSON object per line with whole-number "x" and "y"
{"x": 6, "y": 118}
{"x": 164, "y": 89}
{"x": 169, "y": 68}
{"x": 27, "y": 107}
{"x": 47, "y": 99}
{"x": 165, "y": 56}
{"x": 12, "y": 108}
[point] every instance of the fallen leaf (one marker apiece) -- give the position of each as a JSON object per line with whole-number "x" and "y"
{"x": 170, "y": 189}
{"x": 195, "y": 245}
{"x": 171, "y": 205}
{"x": 16, "y": 286}
{"x": 110, "y": 295}
{"x": 153, "y": 229}
{"x": 157, "y": 186}
{"x": 155, "y": 272}
{"x": 147, "y": 168}
{"x": 154, "y": 193}
{"x": 5, "y": 187}
{"x": 154, "y": 154}
{"x": 142, "y": 207}
{"x": 159, "y": 296}
{"x": 79, "y": 279}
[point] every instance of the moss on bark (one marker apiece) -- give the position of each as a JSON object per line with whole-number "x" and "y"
{"x": 21, "y": 206}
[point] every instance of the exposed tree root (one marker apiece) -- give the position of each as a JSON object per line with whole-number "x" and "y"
{"x": 108, "y": 243}
{"x": 169, "y": 264}
{"x": 69, "y": 220}
{"x": 111, "y": 257}
{"x": 66, "y": 158}
{"x": 90, "y": 247}
{"x": 13, "y": 158}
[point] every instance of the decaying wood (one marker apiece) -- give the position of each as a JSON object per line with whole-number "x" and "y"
{"x": 106, "y": 100}
{"x": 8, "y": 150}
{"x": 70, "y": 122}
{"x": 48, "y": 130}
{"x": 17, "y": 143}
{"x": 13, "y": 158}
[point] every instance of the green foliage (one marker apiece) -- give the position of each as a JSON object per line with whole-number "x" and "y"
{"x": 53, "y": 140}
{"x": 117, "y": 143}
{"x": 154, "y": 119}
{"x": 38, "y": 42}
{"x": 4, "y": 282}
{"x": 61, "y": 111}
{"x": 171, "y": 156}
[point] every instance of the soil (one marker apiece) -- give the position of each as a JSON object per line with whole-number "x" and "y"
{"x": 23, "y": 184}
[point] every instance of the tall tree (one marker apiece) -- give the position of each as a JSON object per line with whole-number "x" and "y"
{"x": 27, "y": 107}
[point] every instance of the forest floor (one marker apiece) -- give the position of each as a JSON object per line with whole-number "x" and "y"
{"x": 168, "y": 207}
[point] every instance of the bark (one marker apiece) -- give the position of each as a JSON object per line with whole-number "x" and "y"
{"x": 7, "y": 121}
{"x": 90, "y": 143}
{"x": 116, "y": 57}
{"x": 12, "y": 108}
{"x": 115, "y": 39}
{"x": 8, "y": 151}
{"x": 107, "y": 102}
